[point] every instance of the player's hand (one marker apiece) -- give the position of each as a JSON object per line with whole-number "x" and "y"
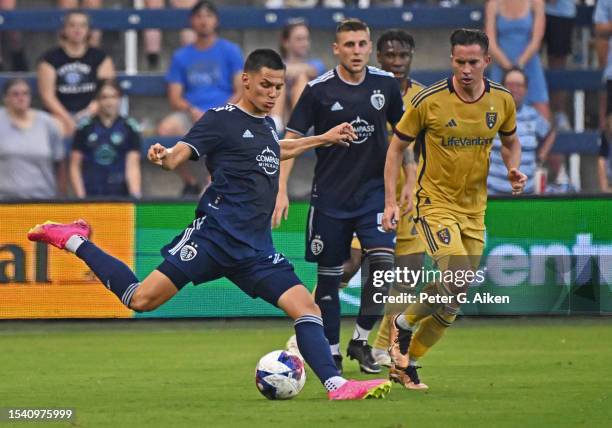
{"x": 281, "y": 210}
{"x": 157, "y": 153}
{"x": 341, "y": 134}
{"x": 517, "y": 181}
{"x": 390, "y": 217}
{"x": 406, "y": 201}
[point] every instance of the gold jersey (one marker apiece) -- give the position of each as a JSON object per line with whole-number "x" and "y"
{"x": 412, "y": 89}
{"x": 454, "y": 161}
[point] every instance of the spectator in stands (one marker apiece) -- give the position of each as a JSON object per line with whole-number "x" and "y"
{"x": 604, "y": 162}
{"x": 95, "y": 37}
{"x": 202, "y": 75}
{"x": 534, "y": 131}
{"x": 68, "y": 74}
{"x": 105, "y": 158}
{"x": 153, "y": 37}
{"x": 515, "y": 29}
{"x": 295, "y": 49}
{"x": 560, "y": 18}
{"x": 602, "y": 18}
{"x": 31, "y": 148}
{"x": 14, "y": 41}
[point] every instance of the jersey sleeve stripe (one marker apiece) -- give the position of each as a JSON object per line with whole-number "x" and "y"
{"x": 498, "y": 87}
{"x": 192, "y": 147}
{"x": 429, "y": 89}
{"x": 295, "y": 131}
{"x": 403, "y": 137}
{"x": 507, "y": 133}
{"x": 444, "y": 88}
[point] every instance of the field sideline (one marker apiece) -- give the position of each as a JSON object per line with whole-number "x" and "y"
{"x": 486, "y": 372}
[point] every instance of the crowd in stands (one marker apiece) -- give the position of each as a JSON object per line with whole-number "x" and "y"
{"x": 81, "y": 145}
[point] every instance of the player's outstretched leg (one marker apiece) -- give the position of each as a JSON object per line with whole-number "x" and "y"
{"x": 298, "y": 303}
{"x": 326, "y": 296}
{"x": 379, "y": 260}
{"x": 113, "y": 273}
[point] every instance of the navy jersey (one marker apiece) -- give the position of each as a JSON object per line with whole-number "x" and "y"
{"x": 243, "y": 156}
{"x": 349, "y": 181}
{"x": 104, "y": 152}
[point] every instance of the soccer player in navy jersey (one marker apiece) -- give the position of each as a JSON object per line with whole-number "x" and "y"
{"x": 231, "y": 233}
{"x": 348, "y": 185}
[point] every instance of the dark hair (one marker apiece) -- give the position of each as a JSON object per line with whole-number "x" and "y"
{"x": 287, "y": 31}
{"x": 517, "y": 69}
{"x": 466, "y": 37}
{"x": 109, "y": 82}
{"x": 351, "y": 24}
{"x": 204, "y": 4}
{"x": 260, "y": 58}
{"x": 12, "y": 82}
{"x": 395, "y": 34}
{"x": 67, "y": 16}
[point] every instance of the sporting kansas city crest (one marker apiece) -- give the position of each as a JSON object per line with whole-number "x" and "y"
{"x": 444, "y": 235}
{"x": 491, "y": 119}
{"x": 377, "y": 99}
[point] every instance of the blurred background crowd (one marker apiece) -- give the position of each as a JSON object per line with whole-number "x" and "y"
{"x": 68, "y": 128}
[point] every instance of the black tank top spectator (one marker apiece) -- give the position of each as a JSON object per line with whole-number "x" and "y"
{"x": 68, "y": 75}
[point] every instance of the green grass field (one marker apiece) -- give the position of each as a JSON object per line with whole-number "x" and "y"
{"x": 485, "y": 372}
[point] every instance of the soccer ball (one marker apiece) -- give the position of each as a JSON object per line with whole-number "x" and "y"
{"x": 280, "y": 375}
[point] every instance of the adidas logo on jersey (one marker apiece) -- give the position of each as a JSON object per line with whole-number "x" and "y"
{"x": 451, "y": 123}
{"x": 337, "y": 107}
{"x": 248, "y": 134}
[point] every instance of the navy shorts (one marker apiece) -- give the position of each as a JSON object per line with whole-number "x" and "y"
{"x": 328, "y": 239}
{"x": 202, "y": 253}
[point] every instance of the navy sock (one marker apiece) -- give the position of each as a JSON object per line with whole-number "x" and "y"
{"x": 314, "y": 347}
{"x": 369, "y": 310}
{"x": 113, "y": 273}
{"x": 326, "y": 296}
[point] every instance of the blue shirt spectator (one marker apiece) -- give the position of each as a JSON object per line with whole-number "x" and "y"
{"x": 562, "y": 8}
{"x": 206, "y": 75}
{"x": 603, "y": 18}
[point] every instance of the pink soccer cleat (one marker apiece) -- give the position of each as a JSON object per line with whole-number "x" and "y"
{"x": 361, "y": 389}
{"x": 57, "y": 234}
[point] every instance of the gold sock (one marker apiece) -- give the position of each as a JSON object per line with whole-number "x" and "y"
{"x": 430, "y": 331}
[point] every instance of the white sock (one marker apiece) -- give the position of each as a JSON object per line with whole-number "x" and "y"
{"x": 335, "y": 349}
{"x": 360, "y": 333}
{"x": 403, "y": 323}
{"x": 334, "y": 383}
{"x": 412, "y": 362}
{"x": 74, "y": 242}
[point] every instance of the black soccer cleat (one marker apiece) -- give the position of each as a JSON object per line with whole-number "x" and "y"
{"x": 403, "y": 338}
{"x": 362, "y": 352}
{"x": 338, "y": 361}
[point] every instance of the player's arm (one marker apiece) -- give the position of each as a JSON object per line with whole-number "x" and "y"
{"x": 511, "y": 154}
{"x": 281, "y": 210}
{"x": 169, "y": 158}
{"x": 300, "y": 121}
{"x": 341, "y": 134}
{"x": 393, "y": 163}
{"x": 410, "y": 167}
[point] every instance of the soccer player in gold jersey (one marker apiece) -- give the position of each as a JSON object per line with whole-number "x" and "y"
{"x": 460, "y": 117}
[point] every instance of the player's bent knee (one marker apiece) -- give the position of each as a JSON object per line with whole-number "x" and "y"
{"x": 141, "y": 302}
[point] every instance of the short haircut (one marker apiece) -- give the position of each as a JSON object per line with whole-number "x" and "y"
{"x": 13, "y": 82}
{"x": 395, "y": 34}
{"x": 109, "y": 82}
{"x": 467, "y": 37}
{"x": 260, "y": 58}
{"x": 204, "y": 4}
{"x": 352, "y": 24}
{"x": 518, "y": 70}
